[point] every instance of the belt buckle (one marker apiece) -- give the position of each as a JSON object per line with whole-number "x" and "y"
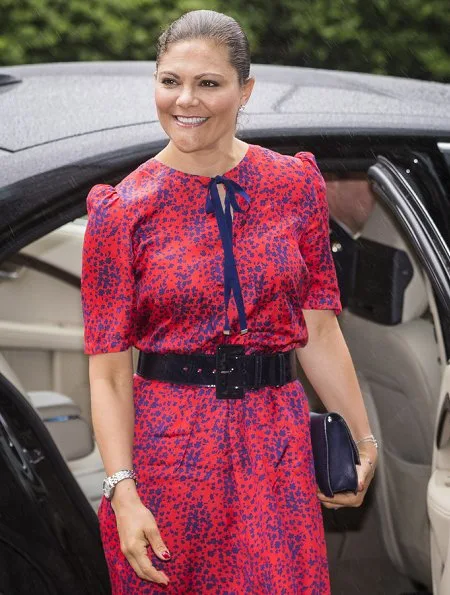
{"x": 230, "y": 371}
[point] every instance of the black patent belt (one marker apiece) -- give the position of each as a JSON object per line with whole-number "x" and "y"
{"x": 229, "y": 370}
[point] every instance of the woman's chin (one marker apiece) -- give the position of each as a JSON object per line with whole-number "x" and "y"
{"x": 187, "y": 145}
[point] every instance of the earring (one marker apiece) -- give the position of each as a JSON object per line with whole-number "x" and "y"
{"x": 242, "y": 107}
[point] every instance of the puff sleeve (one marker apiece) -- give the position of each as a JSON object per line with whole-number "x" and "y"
{"x": 107, "y": 280}
{"x": 322, "y": 292}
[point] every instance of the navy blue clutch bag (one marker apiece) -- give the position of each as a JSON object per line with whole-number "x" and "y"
{"x": 335, "y": 454}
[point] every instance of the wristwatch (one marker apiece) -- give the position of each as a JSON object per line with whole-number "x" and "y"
{"x": 109, "y": 483}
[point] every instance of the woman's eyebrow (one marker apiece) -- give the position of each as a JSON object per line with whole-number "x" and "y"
{"x": 175, "y": 76}
{"x": 198, "y": 76}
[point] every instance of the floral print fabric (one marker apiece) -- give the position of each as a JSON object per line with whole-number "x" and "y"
{"x": 231, "y": 483}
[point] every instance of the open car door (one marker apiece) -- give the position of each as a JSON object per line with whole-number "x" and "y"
{"x": 408, "y": 185}
{"x": 49, "y": 537}
{"x": 439, "y": 495}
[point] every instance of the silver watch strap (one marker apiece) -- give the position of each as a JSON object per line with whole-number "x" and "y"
{"x": 114, "y": 479}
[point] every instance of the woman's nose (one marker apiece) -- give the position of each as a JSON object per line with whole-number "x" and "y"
{"x": 187, "y": 97}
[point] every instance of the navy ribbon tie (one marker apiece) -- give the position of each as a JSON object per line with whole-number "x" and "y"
{"x": 225, "y": 223}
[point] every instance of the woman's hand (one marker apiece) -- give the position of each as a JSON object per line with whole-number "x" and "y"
{"x": 137, "y": 529}
{"x": 368, "y": 455}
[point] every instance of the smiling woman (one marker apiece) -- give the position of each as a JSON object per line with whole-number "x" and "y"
{"x": 214, "y": 426}
{"x": 199, "y": 91}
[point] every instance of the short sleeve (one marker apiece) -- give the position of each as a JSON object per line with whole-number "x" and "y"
{"x": 107, "y": 280}
{"x": 314, "y": 242}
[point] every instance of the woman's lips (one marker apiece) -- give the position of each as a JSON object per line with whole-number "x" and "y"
{"x": 190, "y": 122}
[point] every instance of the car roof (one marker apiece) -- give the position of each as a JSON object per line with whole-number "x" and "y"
{"x": 56, "y": 101}
{"x": 52, "y": 115}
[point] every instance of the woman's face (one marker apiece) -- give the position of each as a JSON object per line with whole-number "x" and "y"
{"x": 198, "y": 95}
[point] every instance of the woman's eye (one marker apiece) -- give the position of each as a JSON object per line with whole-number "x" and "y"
{"x": 168, "y": 81}
{"x": 207, "y": 83}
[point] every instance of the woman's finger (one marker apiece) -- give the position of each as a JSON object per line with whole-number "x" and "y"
{"x": 142, "y": 566}
{"x": 341, "y": 499}
{"x": 362, "y": 475}
{"x": 157, "y": 544}
{"x": 365, "y": 472}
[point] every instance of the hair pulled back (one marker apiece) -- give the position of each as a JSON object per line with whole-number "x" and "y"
{"x": 214, "y": 26}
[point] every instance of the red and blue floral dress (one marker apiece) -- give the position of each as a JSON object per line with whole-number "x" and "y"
{"x": 230, "y": 482}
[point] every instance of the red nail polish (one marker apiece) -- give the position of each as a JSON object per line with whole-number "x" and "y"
{"x": 165, "y": 555}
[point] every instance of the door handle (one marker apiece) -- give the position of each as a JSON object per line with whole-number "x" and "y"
{"x": 445, "y": 412}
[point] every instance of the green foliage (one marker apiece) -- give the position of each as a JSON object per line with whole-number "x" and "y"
{"x": 405, "y": 37}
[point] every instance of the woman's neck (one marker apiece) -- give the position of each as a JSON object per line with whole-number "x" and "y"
{"x": 207, "y": 162}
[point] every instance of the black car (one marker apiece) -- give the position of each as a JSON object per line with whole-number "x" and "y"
{"x": 383, "y": 146}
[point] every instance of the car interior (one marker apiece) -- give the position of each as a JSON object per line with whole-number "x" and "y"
{"x": 388, "y": 322}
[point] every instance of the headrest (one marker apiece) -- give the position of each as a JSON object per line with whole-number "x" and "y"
{"x": 382, "y": 228}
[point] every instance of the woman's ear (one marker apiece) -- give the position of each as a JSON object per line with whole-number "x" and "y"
{"x": 247, "y": 90}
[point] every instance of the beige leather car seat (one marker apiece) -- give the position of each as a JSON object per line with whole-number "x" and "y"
{"x": 401, "y": 365}
{"x": 71, "y": 433}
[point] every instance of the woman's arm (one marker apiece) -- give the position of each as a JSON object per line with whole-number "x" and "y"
{"x": 111, "y": 381}
{"x": 327, "y": 363}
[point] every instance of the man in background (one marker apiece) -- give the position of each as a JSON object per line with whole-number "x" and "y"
{"x": 350, "y": 201}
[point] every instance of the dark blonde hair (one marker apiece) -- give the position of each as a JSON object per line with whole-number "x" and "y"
{"x": 214, "y": 26}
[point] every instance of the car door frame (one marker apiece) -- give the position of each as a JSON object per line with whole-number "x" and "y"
{"x": 64, "y": 530}
{"x": 400, "y": 192}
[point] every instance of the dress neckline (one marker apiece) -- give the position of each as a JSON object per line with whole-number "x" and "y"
{"x": 208, "y": 178}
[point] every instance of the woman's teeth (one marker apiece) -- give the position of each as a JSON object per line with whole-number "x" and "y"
{"x": 190, "y": 121}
